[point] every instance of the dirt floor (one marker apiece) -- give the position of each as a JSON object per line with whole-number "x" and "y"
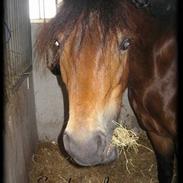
{"x": 50, "y": 166}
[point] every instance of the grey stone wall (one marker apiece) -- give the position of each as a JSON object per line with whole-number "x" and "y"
{"x": 127, "y": 116}
{"x": 48, "y": 98}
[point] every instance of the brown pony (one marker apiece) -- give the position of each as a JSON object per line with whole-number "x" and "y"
{"x": 99, "y": 48}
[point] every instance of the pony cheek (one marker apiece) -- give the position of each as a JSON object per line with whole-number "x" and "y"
{"x": 64, "y": 75}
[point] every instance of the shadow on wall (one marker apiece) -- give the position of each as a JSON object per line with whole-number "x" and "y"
{"x": 127, "y": 116}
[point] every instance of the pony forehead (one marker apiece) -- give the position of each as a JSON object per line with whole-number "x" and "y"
{"x": 94, "y": 31}
{"x": 110, "y": 16}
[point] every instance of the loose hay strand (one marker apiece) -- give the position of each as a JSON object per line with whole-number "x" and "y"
{"x": 125, "y": 139}
{"x": 145, "y": 147}
{"x": 126, "y": 162}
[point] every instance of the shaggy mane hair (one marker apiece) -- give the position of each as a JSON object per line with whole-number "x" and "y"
{"x": 113, "y": 15}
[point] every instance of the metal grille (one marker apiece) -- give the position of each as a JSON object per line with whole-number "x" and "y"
{"x": 17, "y": 37}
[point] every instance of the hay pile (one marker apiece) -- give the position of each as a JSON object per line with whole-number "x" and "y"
{"x": 50, "y": 166}
{"x": 125, "y": 139}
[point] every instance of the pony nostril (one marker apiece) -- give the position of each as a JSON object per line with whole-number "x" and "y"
{"x": 66, "y": 140}
{"x": 101, "y": 142}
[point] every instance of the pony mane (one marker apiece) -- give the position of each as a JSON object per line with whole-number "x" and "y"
{"x": 113, "y": 15}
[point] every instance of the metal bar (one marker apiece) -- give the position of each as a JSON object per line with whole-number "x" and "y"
{"x": 18, "y": 50}
{"x": 23, "y": 76}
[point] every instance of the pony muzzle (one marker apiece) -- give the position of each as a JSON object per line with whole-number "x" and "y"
{"x": 90, "y": 151}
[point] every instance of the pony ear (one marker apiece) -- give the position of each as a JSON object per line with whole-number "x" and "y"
{"x": 141, "y": 3}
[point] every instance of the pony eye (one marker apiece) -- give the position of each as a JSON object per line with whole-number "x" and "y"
{"x": 125, "y": 44}
{"x": 57, "y": 44}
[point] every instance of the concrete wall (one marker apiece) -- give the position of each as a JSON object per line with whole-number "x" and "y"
{"x": 20, "y": 133}
{"x": 48, "y": 99}
{"x": 127, "y": 116}
{"x": 49, "y": 102}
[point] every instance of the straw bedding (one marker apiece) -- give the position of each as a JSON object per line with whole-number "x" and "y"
{"x": 50, "y": 166}
{"x": 136, "y": 163}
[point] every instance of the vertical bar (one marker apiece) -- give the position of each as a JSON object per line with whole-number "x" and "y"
{"x": 39, "y": 9}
